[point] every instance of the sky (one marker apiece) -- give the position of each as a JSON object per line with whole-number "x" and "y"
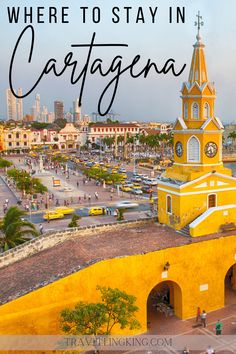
{"x": 154, "y": 98}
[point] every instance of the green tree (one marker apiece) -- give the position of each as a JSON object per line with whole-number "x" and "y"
{"x": 5, "y": 163}
{"x": 74, "y": 221}
{"x": 108, "y": 141}
{"x": 14, "y": 230}
{"x": 116, "y": 308}
{"x": 232, "y": 136}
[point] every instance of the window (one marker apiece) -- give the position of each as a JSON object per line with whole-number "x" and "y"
{"x": 193, "y": 149}
{"x": 195, "y": 110}
{"x": 185, "y": 110}
{"x": 169, "y": 204}
{"x": 206, "y": 110}
{"x": 18, "y": 144}
{"x": 9, "y": 136}
{"x": 25, "y": 143}
{"x": 10, "y": 144}
{"x": 25, "y": 136}
{"x": 17, "y": 135}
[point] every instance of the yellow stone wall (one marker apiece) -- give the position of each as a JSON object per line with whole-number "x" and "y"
{"x": 38, "y": 312}
{"x": 212, "y": 222}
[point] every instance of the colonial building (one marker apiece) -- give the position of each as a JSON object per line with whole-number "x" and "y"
{"x": 197, "y": 192}
{"x": 17, "y": 139}
{"x": 99, "y": 131}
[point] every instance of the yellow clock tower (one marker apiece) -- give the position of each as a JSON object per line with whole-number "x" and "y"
{"x": 197, "y": 183}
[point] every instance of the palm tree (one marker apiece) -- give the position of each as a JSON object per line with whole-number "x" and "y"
{"x": 14, "y": 230}
{"x": 232, "y": 136}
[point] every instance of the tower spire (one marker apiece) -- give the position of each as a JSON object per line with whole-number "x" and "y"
{"x": 198, "y": 70}
{"x": 199, "y": 23}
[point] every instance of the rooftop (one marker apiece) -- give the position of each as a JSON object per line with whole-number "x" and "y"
{"x": 71, "y": 255}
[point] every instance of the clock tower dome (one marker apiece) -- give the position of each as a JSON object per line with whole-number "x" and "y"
{"x": 198, "y": 179}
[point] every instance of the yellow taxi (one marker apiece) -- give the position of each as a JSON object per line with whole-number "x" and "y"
{"x": 136, "y": 186}
{"x": 126, "y": 188}
{"x": 51, "y": 215}
{"x": 123, "y": 175}
{"x": 107, "y": 165}
{"x": 96, "y": 211}
{"x": 104, "y": 169}
{"x": 65, "y": 210}
{"x": 109, "y": 182}
{"x": 114, "y": 170}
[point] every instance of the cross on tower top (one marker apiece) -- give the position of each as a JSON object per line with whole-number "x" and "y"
{"x": 199, "y": 23}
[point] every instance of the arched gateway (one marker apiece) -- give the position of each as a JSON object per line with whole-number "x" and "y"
{"x": 164, "y": 303}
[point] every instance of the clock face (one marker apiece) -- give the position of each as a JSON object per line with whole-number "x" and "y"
{"x": 179, "y": 149}
{"x": 211, "y": 149}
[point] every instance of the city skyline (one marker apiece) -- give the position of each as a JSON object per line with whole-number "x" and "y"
{"x": 136, "y": 99}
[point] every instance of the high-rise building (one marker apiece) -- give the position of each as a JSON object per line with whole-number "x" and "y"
{"x": 76, "y": 111}
{"x": 14, "y": 105}
{"x": 59, "y": 109}
{"x": 37, "y": 107}
{"x": 44, "y": 115}
{"x": 20, "y": 105}
{"x": 11, "y": 105}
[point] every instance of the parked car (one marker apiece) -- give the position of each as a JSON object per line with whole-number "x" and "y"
{"x": 136, "y": 186}
{"x": 126, "y": 205}
{"x": 97, "y": 211}
{"x": 126, "y": 188}
{"x": 150, "y": 182}
{"x": 136, "y": 191}
{"x": 147, "y": 189}
{"x": 136, "y": 179}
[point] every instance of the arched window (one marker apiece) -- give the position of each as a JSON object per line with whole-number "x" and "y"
{"x": 17, "y": 135}
{"x": 206, "y": 110}
{"x": 169, "y": 204}
{"x": 185, "y": 110}
{"x": 193, "y": 149}
{"x": 195, "y": 110}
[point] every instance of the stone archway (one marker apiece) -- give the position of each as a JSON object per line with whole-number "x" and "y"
{"x": 230, "y": 286}
{"x": 164, "y": 304}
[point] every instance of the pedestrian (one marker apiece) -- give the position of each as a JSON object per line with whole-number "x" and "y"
{"x": 89, "y": 198}
{"x": 185, "y": 351}
{"x": 107, "y": 211}
{"x": 7, "y": 201}
{"x": 4, "y": 208}
{"x": 219, "y": 327}
{"x": 198, "y": 317}
{"x": 84, "y": 196}
{"x": 79, "y": 199}
{"x": 77, "y": 183}
{"x": 41, "y": 229}
{"x": 210, "y": 350}
{"x": 111, "y": 196}
{"x": 203, "y": 318}
{"x": 65, "y": 202}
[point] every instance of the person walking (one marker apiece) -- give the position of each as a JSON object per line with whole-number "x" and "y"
{"x": 41, "y": 229}
{"x": 210, "y": 350}
{"x": 203, "y": 318}
{"x": 77, "y": 183}
{"x": 218, "y": 327}
{"x": 198, "y": 317}
{"x": 185, "y": 351}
